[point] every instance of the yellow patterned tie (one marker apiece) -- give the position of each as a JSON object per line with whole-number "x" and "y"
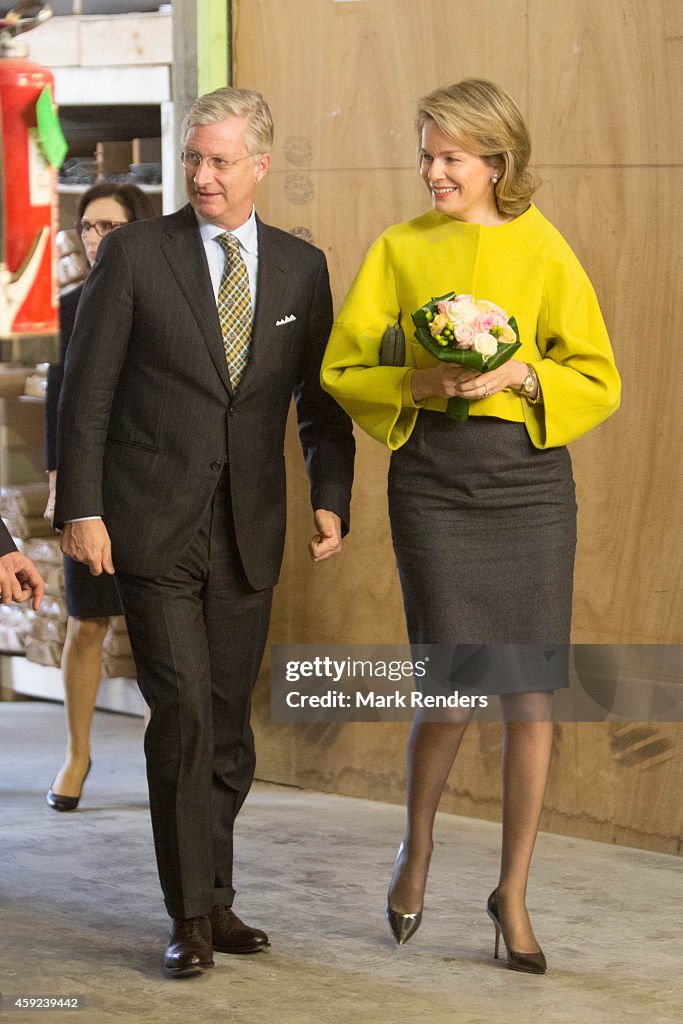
{"x": 234, "y": 308}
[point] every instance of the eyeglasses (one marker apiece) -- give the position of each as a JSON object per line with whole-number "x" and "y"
{"x": 102, "y": 227}
{"x": 191, "y": 161}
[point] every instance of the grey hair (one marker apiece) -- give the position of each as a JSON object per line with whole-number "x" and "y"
{"x": 228, "y": 102}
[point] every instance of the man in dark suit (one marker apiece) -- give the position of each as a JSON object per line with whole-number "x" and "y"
{"x": 192, "y": 334}
{"x": 19, "y": 578}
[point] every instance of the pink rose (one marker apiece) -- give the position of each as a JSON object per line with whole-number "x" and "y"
{"x": 448, "y": 308}
{"x": 484, "y": 322}
{"x": 464, "y": 335}
{"x": 499, "y": 318}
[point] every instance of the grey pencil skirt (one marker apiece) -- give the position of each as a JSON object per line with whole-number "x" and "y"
{"x": 484, "y": 530}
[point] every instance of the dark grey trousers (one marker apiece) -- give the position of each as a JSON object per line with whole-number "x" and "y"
{"x": 198, "y": 635}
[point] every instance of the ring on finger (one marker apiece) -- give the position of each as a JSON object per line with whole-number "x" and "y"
{"x": 486, "y": 390}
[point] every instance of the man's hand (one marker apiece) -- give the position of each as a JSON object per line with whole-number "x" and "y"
{"x": 87, "y": 541}
{"x": 19, "y": 579}
{"x": 327, "y": 541}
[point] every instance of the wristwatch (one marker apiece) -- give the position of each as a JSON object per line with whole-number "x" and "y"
{"x": 530, "y": 384}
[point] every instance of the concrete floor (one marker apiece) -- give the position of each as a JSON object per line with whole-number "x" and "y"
{"x": 82, "y": 915}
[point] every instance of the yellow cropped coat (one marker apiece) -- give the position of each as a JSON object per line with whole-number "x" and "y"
{"x": 524, "y": 266}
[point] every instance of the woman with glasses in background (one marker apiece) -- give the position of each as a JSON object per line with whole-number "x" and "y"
{"x": 91, "y": 600}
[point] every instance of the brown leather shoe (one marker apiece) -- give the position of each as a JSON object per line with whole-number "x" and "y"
{"x": 230, "y": 935}
{"x": 189, "y": 948}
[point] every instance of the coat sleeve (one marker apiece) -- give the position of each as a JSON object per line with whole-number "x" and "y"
{"x": 325, "y": 431}
{"x": 378, "y": 398}
{"x": 94, "y": 358}
{"x": 580, "y": 383}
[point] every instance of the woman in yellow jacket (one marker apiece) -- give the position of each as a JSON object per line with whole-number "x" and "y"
{"x": 482, "y": 513}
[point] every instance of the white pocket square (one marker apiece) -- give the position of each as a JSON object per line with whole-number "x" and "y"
{"x": 285, "y": 320}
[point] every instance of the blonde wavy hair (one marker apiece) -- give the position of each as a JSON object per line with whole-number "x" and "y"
{"x": 485, "y": 120}
{"x": 228, "y": 102}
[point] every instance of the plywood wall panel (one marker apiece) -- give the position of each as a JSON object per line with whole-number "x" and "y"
{"x": 329, "y": 69}
{"x": 605, "y": 83}
{"x": 342, "y": 212}
{"x": 616, "y": 783}
{"x": 625, "y": 224}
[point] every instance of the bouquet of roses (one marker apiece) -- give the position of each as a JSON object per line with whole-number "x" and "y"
{"x": 470, "y": 332}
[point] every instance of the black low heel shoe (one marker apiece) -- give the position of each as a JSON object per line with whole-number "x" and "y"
{"x": 66, "y": 803}
{"x": 529, "y": 963}
{"x": 403, "y": 926}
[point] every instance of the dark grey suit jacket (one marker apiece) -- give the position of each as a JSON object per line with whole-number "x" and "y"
{"x": 6, "y": 542}
{"x": 68, "y": 304}
{"x": 147, "y": 416}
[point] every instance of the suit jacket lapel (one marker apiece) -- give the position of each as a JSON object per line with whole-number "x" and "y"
{"x": 183, "y": 248}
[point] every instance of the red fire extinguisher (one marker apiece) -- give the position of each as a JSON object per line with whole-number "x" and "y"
{"x": 28, "y": 198}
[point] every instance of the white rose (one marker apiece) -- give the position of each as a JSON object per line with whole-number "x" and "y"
{"x": 485, "y": 344}
{"x": 462, "y": 312}
{"x": 459, "y": 311}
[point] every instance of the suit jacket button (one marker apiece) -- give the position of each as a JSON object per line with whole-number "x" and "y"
{"x": 231, "y": 412}
{"x": 215, "y": 466}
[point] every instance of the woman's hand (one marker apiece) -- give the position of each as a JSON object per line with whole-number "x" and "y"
{"x": 447, "y": 380}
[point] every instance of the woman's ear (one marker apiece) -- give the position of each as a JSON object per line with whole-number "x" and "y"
{"x": 497, "y": 165}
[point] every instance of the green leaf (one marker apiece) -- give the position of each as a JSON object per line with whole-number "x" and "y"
{"x": 458, "y": 409}
{"x": 506, "y": 350}
{"x": 419, "y": 318}
{"x": 463, "y": 357}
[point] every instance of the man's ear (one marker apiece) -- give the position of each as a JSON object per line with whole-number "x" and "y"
{"x": 262, "y": 167}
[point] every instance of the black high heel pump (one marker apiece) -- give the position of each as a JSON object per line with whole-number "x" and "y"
{"x": 66, "y": 803}
{"x": 529, "y": 963}
{"x": 403, "y": 926}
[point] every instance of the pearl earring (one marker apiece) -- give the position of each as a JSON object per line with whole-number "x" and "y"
{"x": 494, "y": 179}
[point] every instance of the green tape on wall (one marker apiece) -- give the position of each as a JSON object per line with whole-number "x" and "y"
{"x": 213, "y": 44}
